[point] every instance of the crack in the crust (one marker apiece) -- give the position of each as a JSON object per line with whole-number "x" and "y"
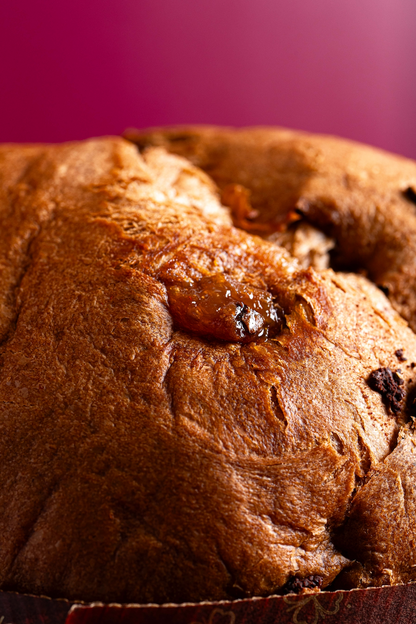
{"x": 121, "y": 515}
{"x": 232, "y": 581}
{"x": 31, "y": 528}
{"x": 165, "y": 381}
{"x": 27, "y": 170}
{"x": 410, "y": 194}
{"x": 361, "y": 483}
{"x": 271, "y": 388}
{"x": 26, "y": 265}
{"x": 24, "y": 270}
{"x": 407, "y": 513}
{"x": 274, "y": 399}
{"x": 338, "y": 345}
{"x": 25, "y": 177}
{"x": 402, "y": 495}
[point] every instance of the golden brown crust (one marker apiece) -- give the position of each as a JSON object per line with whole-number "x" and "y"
{"x": 362, "y": 197}
{"x": 379, "y": 535}
{"x": 141, "y": 461}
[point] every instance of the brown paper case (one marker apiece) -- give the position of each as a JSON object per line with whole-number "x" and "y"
{"x": 389, "y": 605}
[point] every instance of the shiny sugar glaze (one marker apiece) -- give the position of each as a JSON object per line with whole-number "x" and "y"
{"x": 218, "y": 307}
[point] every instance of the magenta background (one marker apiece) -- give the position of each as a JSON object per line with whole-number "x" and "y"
{"x": 73, "y": 69}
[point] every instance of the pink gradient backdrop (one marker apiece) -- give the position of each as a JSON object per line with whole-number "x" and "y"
{"x": 73, "y": 69}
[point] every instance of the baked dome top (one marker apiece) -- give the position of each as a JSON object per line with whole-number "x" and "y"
{"x": 364, "y": 198}
{"x": 186, "y": 412}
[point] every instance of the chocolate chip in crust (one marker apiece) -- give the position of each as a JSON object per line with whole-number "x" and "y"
{"x": 388, "y": 384}
{"x": 295, "y": 584}
{"x": 400, "y": 355}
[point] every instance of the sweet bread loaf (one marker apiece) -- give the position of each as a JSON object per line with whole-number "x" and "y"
{"x": 188, "y": 411}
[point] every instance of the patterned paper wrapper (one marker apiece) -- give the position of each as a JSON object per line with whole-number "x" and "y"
{"x": 390, "y": 605}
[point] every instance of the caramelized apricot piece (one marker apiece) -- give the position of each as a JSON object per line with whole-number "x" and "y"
{"x": 222, "y": 308}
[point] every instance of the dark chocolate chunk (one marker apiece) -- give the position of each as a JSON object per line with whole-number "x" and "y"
{"x": 295, "y": 584}
{"x": 410, "y": 194}
{"x": 388, "y": 384}
{"x": 400, "y": 355}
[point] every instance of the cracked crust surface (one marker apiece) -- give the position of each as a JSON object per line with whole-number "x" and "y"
{"x": 142, "y": 462}
{"x": 364, "y": 199}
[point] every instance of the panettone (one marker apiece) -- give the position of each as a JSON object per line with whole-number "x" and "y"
{"x": 188, "y": 411}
